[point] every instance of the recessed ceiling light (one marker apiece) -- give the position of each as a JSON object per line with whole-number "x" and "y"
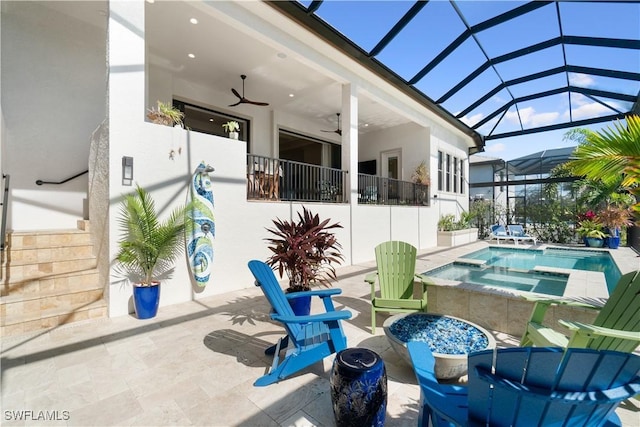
{"x": 281, "y": 55}
{"x": 366, "y": 124}
{"x": 211, "y": 120}
{"x": 291, "y": 95}
{"x": 193, "y": 21}
{"x": 191, "y": 55}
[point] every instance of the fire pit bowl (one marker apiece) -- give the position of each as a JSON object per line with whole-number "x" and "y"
{"x": 450, "y": 339}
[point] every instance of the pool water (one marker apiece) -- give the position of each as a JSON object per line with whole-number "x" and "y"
{"x": 509, "y": 267}
{"x": 544, "y": 283}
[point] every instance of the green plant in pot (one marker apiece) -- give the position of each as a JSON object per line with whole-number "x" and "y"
{"x": 149, "y": 247}
{"x": 592, "y": 231}
{"x": 232, "y": 127}
{"x": 306, "y": 251}
{"x": 421, "y": 177}
{"x": 166, "y": 114}
{"x": 614, "y": 218}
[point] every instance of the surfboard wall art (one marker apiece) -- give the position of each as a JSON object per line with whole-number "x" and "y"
{"x": 201, "y": 231}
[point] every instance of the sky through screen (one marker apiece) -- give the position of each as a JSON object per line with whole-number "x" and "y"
{"x": 578, "y": 78}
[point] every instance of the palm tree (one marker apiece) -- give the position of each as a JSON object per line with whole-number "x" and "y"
{"x": 149, "y": 247}
{"x": 609, "y": 155}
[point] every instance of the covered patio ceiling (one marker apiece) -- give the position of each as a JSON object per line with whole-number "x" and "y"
{"x": 504, "y": 68}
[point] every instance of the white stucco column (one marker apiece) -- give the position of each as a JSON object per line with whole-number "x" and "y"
{"x": 350, "y": 139}
{"x": 126, "y": 113}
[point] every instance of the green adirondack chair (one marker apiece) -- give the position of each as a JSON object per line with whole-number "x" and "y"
{"x": 396, "y": 265}
{"x": 617, "y": 326}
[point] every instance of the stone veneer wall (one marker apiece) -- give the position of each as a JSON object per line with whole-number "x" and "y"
{"x": 98, "y": 183}
{"x": 497, "y": 310}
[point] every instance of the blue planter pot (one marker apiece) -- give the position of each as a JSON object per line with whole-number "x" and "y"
{"x": 146, "y": 300}
{"x": 594, "y": 242}
{"x": 301, "y": 306}
{"x": 613, "y": 242}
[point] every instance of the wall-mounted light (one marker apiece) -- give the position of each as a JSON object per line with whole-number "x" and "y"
{"x": 127, "y": 170}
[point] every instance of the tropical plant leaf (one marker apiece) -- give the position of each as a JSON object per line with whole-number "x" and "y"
{"x": 149, "y": 247}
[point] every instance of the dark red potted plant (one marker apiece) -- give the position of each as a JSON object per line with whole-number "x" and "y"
{"x": 304, "y": 250}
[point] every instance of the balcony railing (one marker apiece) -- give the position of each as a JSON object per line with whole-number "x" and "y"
{"x": 375, "y": 190}
{"x": 275, "y": 179}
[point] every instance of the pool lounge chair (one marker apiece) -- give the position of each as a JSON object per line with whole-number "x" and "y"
{"x": 517, "y": 234}
{"x": 498, "y": 232}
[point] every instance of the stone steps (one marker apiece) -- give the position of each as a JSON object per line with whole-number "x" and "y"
{"x": 49, "y": 279}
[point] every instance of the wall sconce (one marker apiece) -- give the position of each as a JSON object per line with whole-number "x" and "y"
{"x": 127, "y": 170}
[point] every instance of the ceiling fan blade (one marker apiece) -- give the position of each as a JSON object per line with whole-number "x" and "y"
{"x": 242, "y": 99}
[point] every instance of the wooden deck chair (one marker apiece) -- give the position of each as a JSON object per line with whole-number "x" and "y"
{"x": 528, "y": 387}
{"x": 310, "y": 338}
{"x": 396, "y": 265}
{"x": 617, "y": 326}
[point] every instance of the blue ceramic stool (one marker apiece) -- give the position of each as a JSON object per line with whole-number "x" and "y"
{"x": 359, "y": 388}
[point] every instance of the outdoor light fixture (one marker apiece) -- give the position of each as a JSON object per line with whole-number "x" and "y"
{"x": 127, "y": 170}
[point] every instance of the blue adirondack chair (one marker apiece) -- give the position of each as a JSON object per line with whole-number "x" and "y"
{"x": 310, "y": 338}
{"x": 529, "y": 386}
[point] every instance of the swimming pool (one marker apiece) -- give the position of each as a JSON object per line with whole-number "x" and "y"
{"x": 543, "y": 283}
{"x": 512, "y": 268}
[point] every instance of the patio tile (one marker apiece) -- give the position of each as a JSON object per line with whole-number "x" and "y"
{"x": 195, "y": 364}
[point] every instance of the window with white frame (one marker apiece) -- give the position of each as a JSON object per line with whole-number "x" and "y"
{"x": 440, "y": 171}
{"x": 455, "y": 175}
{"x": 462, "y": 183}
{"x": 451, "y": 173}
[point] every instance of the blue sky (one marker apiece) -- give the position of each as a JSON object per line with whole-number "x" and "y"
{"x": 440, "y": 22}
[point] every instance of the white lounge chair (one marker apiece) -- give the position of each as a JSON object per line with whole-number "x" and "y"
{"x": 498, "y": 232}
{"x": 516, "y": 232}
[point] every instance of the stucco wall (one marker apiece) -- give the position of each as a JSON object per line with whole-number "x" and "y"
{"x": 53, "y": 97}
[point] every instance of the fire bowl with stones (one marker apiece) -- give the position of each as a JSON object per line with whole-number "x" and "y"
{"x": 450, "y": 339}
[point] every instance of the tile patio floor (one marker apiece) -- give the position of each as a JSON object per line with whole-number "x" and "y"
{"x": 195, "y": 363}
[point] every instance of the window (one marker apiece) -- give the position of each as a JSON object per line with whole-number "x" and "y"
{"x": 204, "y": 120}
{"x": 448, "y": 174}
{"x": 462, "y": 183}
{"x": 451, "y": 173}
{"x": 440, "y": 171}
{"x": 455, "y": 175}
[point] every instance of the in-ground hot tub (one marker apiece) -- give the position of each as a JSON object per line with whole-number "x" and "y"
{"x": 450, "y": 339}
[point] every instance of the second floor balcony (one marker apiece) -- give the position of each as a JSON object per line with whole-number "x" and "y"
{"x": 286, "y": 180}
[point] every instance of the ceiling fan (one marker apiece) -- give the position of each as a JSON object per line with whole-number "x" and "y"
{"x": 242, "y": 99}
{"x": 338, "y": 131}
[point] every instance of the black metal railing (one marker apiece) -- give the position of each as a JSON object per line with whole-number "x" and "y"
{"x": 375, "y": 190}
{"x": 275, "y": 179}
{"x": 40, "y": 182}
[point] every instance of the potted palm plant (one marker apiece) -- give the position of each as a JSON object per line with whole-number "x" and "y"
{"x": 304, "y": 250}
{"x": 149, "y": 247}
